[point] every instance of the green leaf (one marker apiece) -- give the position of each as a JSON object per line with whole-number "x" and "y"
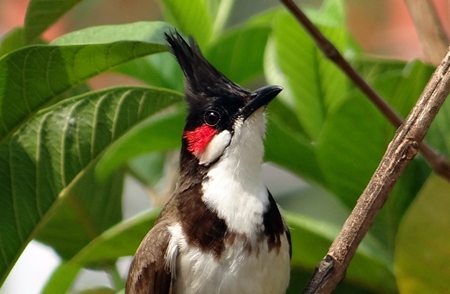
{"x": 43, "y": 159}
{"x": 121, "y": 240}
{"x": 89, "y": 208}
{"x": 41, "y": 14}
{"x": 331, "y": 14}
{"x": 438, "y": 134}
{"x": 144, "y": 31}
{"x": 344, "y": 144}
{"x": 219, "y": 11}
{"x": 100, "y": 290}
{"x": 190, "y": 17}
{"x": 311, "y": 239}
{"x": 422, "y": 255}
{"x": 35, "y": 77}
{"x": 239, "y": 54}
{"x": 148, "y": 168}
{"x": 162, "y": 132}
{"x": 159, "y": 70}
{"x": 348, "y": 152}
{"x": 313, "y": 85}
{"x": 11, "y": 41}
{"x": 282, "y": 145}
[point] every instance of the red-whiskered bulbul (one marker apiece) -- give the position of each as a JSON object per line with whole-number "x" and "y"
{"x": 221, "y": 231}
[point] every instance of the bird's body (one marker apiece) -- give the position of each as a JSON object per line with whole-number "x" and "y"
{"x": 221, "y": 232}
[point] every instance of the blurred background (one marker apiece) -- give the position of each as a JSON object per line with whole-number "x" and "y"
{"x": 380, "y": 27}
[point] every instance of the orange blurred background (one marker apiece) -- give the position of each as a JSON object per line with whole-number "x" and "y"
{"x": 381, "y": 27}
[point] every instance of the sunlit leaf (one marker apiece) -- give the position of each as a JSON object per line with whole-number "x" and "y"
{"x": 152, "y": 32}
{"x": 35, "y": 77}
{"x": 348, "y": 152}
{"x": 422, "y": 254}
{"x": 159, "y": 70}
{"x": 190, "y": 17}
{"x": 239, "y": 54}
{"x": 313, "y": 85}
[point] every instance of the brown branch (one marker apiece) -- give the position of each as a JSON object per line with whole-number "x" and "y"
{"x": 437, "y": 161}
{"x": 399, "y": 153}
{"x": 429, "y": 28}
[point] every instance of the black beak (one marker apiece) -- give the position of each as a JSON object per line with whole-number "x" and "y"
{"x": 260, "y": 98}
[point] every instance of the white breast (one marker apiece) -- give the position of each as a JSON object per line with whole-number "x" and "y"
{"x": 237, "y": 271}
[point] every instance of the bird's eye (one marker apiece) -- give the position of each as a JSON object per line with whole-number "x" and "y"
{"x": 211, "y": 118}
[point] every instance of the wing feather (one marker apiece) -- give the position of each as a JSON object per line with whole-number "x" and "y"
{"x": 148, "y": 272}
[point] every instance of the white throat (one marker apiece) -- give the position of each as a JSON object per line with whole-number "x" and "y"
{"x": 234, "y": 187}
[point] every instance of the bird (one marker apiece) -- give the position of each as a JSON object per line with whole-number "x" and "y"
{"x": 221, "y": 231}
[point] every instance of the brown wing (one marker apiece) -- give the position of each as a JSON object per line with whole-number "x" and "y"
{"x": 148, "y": 273}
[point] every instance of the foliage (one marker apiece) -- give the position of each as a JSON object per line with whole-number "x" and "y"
{"x": 63, "y": 145}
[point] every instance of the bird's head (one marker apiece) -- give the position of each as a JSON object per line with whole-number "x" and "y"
{"x": 222, "y": 116}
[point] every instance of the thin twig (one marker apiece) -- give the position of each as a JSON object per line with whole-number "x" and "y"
{"x": 402, "y": 149}
{"x": 437, "y": 161}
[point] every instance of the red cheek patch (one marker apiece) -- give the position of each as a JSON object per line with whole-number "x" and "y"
{"x": 199, "y": 138}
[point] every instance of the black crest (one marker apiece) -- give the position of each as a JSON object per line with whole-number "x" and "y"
{"x": 202, "y": 79}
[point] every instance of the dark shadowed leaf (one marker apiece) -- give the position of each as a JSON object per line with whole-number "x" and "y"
{"x": 162, "y": 132}
{"x": 89, "y": 208}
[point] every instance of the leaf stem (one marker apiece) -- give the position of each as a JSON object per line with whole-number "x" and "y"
{"x": 115, "y": 277}
{"x": 223, "y": 13}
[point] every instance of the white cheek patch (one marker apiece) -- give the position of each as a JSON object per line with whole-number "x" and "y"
{"x": 215, "y": 148}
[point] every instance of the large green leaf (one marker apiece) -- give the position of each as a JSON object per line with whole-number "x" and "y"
{"x": 159, "y": 70}
{"x": 313, "y": 85}
{"x": 42, "y": 159}
{"x": 239, "y": 53}
{"x": 144, "y": 31}
{"x": 292, "y": 151}
{"x": 41, "y": 14}
{"x": 35, "y": 77}
{"x": 121, "y": 240}
{"x": 89, "y": 208}
{"x": 190, "y": 17}
{"x": 162, "y": 132}
{"x": 11, "y": 41}
{"x": 311, "y": 239}
{"x": 348, "y": 152}
{"x": 344, "y": 145}
{"x": 422, "y": 254}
